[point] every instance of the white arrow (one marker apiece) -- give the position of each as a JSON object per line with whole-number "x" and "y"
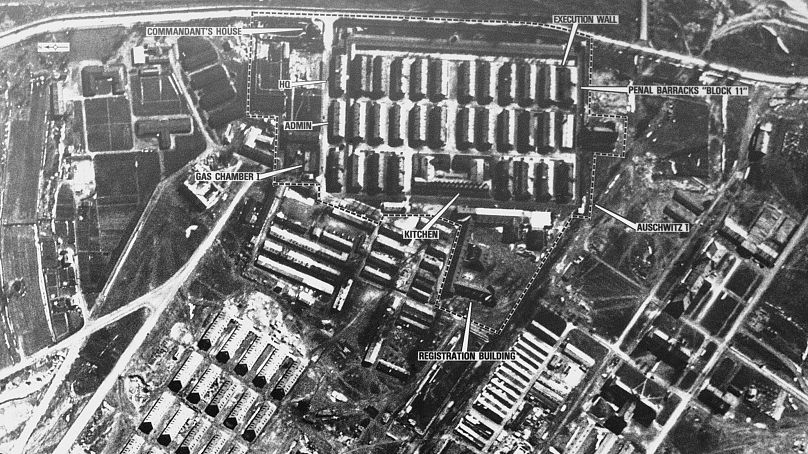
{"x": 621, "y": 89}
{"x": 308, "y": 82}
{"x": 259, "y": 30}
{"x": 467, "y": 331}
{"x": 437, "y": 215}
{"x": 573, "y": 29}
{"x": 631, "y": 225}
{"x": 265, "y": 175}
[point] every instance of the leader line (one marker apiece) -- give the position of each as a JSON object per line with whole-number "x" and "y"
{"x": 440, "y": 212}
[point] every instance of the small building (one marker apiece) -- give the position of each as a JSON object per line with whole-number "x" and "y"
{"x": 394, "y": 370}
{"x": 103, "y": 80}
{"x": 541, "y": 184}
{"x": 337, "y": 113}
{"x": 437, "y": 127}
{"x": 396, "y": 125}
{"x": 232, "y": 343}
{"x": 484, "y": 82}
{"x": 506, "y": 89}
{"x": 379, "y": 127}
{"x": 535, "y": 240}
{"x": 359, "y": 123}
{"x": 182, "y": 417}
{"x": 467, "y": 81}
{"x": 157, "y": 412}
{"x": 419, "y": 119}
{"x": 185, "y": 373}
{"x": 567, "y": 131}
{"x": 215, "y": 330}
{"x": 289, "y": 378}
{"x": 380, "y": 77}
{"x": 203, "y": 194}
{"x": 494, "y": 216}
{"x": 473, "y": 292}
{"x": 484, "y": 130}
{"x": 133, "y": 445}
{"x": 251, "y": 356}
{"x": 238, "y": 415}
{"x": 216, "y": 444}
{"x": 338, "y": 83}
{"x": 526, "y": 125}
{"x": 355, "y": 174}
{"x": 361, "y": 70}
{"x": 272, "y": 362}
{"x": 372, "y": 353}
{"x": 527, "y": 77}
{"x": 258, "y": 422}
{"x": 204, "y": 388}
{"x": 397, "y": 89}
{"x": 548, "y": 83}
{"x": 464, "y": 128}
{"x": 438, "y": 85}
{"x": 342, "y": 296}
{"x": 221, "y": 398}
{"x": 138, "y": 55}
{"x": 193, "y": 441}
{"x": 419, "y": 78}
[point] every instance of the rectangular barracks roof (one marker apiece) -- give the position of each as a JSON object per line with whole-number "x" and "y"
{"x": 537, "y": 219}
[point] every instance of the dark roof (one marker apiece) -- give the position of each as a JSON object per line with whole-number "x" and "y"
{"x": 163, "y": 129}
{"x": 716, "y": 404}
{"x": 615, "y": 424}
{"x": 102, "y": 80}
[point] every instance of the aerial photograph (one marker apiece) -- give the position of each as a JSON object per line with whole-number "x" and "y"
{"x": 404, "y": 227}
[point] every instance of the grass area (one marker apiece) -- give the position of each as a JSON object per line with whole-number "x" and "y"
{"x": 23, "y": 160}
{"x": 160, "y": 248}
{"x": 21, "y": 280}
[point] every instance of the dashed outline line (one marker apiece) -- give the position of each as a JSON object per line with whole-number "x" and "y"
{"x": 355, "y": 213}
{"x": 250, "y": 42}
{"x": 620, "y": 150}
{"x": 274, "y": 120}
{"x": 401, "y": 17}
{"x": 435, "y": 298}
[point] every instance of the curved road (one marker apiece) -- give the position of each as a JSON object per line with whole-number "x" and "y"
{"x": 178, "y": 15}
{"x": 157, "y": 300}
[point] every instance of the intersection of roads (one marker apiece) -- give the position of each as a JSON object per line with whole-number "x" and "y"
{"x": 157, "y": 300}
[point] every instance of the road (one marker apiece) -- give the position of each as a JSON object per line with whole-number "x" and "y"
{"x": 157, "y": 300}
{"x": 701, "y": 229}
{"x": 78, "y": 337}
{"x": 186, "y": 91}
{"x": 717, "y": 71}
{"x": 113, "y": 277}
{"x": 210, "y": 145}
{"x": 781, "y": 382}
{"x": 768, "y": 278}
{"x": 39, "y": 411}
